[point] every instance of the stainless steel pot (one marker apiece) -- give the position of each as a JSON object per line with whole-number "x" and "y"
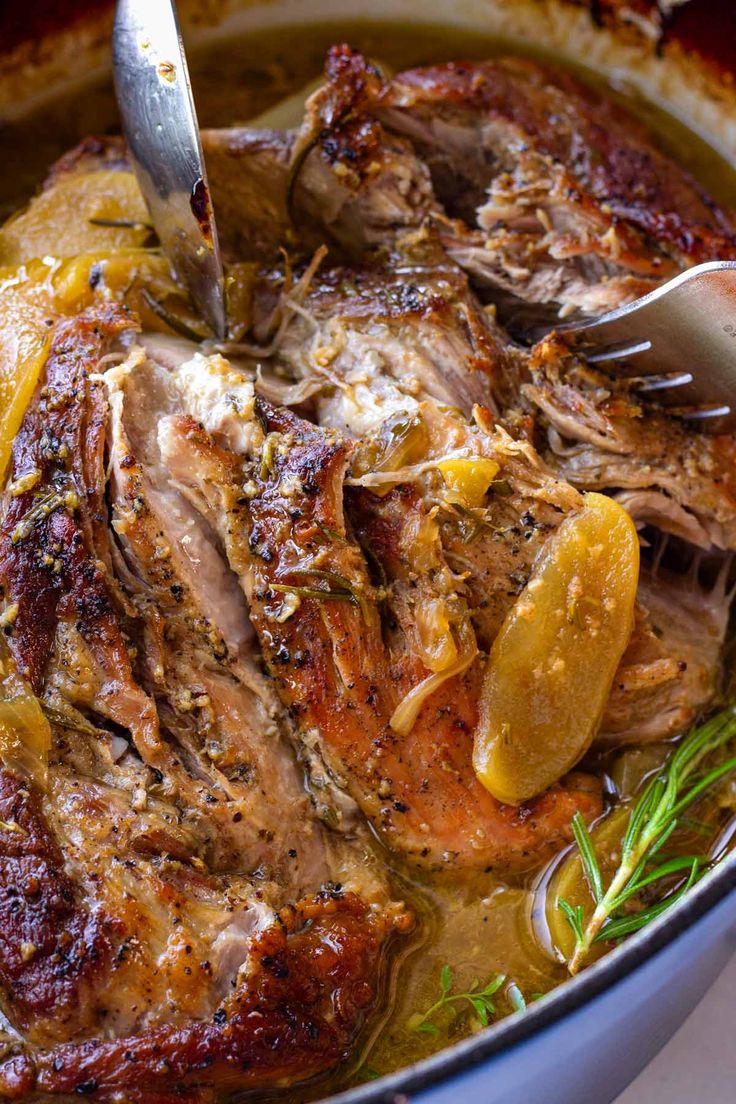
{"x": 583, "y": 1043}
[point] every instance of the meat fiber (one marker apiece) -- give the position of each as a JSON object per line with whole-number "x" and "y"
{"x": 561, "y": 197}
{"x": 316, "y": 612}
{"x": 601, "y": 436}
{"x": 177, "y": 918}
{"x": 253, "y": 586}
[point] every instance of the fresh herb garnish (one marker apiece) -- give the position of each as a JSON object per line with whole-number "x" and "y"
{"x": 516, "y": 998}
{"x": 480, "y": 1000}
{"x": 653, "y": 819}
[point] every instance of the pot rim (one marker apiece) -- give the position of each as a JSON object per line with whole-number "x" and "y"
{"x": 715, "y": 887}
{"x": 570, "y": 996}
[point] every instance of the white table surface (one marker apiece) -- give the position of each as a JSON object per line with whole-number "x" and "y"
{"x": 698, "y": 1065}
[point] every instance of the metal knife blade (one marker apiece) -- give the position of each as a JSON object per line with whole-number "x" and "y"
{"x": 160, "y": 125}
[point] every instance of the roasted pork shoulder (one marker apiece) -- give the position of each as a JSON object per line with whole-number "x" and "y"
{"x": 249, "y": 590}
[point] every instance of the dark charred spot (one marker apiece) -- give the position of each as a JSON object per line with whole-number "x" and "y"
{"x": 86, "y": 1088}
{"x": 275, "y": 965}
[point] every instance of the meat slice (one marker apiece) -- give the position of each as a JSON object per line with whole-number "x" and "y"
{"x": 48, "y": 1003}
{"x": 248, "y": 173}
{"x": 375, "y": 338}
{"x": 601, "y": 436}
{"x": 53, "y": 552}
{"x": 363, "y": 186}
{"x": 310, "y": 980}
{"x": 562, "y": 198}
{"x": 315, "y": 610}
{"x": 109, "y": 950}
{"x": 167, "y": 887}
{"x": 198, "y": 661}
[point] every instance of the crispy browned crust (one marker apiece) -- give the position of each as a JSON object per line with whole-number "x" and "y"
{"x": 341, "y": 125}
{"x": 53, "y": 948}
{"x": 314, "y": 976}
{"x": 50, "y": 568}
{"x": 607, "y": 152}
{"x": 610, "y": 157}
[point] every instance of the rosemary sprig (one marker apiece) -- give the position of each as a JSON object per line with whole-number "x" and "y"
{"x": 120, "y": 223}
{"x": 178, "y": 325}
{"x": 652, "y": 821}
{"x": 313, "y": 592}
{"x": 480, "y": 1000}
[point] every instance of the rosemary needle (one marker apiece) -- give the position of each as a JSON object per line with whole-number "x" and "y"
{"x": 652, "y": 821}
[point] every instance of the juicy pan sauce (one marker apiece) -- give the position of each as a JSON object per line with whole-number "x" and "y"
{"x": 480, "y": 927}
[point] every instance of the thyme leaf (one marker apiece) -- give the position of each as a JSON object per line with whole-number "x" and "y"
{"x": 479, "y": 999}
{"x": 683, "y": 778}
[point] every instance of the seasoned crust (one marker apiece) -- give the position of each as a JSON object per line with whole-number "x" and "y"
{"x": 54, "y": 948}
{"x": 49, "y": 562}
{"x": 312, "y": 978}
{"x": 607, "y": 151}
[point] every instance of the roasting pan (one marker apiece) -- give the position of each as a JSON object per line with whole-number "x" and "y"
{"x": 584, "y": 1042}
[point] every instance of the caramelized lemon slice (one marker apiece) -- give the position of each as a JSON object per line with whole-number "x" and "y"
{"x": 553, "y": 662}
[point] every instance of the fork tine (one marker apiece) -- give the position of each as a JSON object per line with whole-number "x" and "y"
{"x": 682, "y": 336}
{"x": 696, "y": 414}
{"x": 660, "y": 383}
{"x": 622, "y": 351}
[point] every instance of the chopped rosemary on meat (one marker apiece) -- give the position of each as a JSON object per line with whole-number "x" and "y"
{"x": 340, "y": 589}
{"x": 120, "y": 224}
{"x": 314, "y": 592}
{"x": 653, "y": 819}
{"x": 42, "y": 507}
{"x": 179, "y": 325}
{"x": 480, "y": 1001}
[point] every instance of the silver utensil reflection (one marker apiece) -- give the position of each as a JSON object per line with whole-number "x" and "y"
{"x": 678, "y": 342}
{"x": 160, "y": 126}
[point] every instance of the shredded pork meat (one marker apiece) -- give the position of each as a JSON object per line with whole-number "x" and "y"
{"x": 255, "y": 586}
